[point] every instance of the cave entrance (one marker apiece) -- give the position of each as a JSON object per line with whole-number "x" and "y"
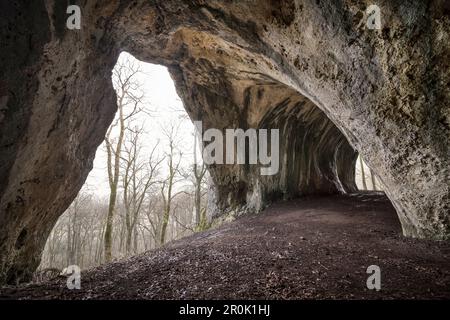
{"x": 57, "y": 102}
{"x": 158, "y": 160}
{"x": 147, "y": 185}
{"x": 365, "y": 177}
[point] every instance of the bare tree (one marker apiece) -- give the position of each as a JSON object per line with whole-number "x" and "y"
{"x": 77, "y": 228}
{"x": 154, "y": 214}
{"x": 372, "y": 177}
{"x": 138, "y": 177}
{"x": 199, "y": 171}
{"x": 147, "y": 204}
{"x": 173, "y": 157}
{"x": 129, "y": 103}
{"x": 73, "y": 239}
{"x": 363, "y": 176}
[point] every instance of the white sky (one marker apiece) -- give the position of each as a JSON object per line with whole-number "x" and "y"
{"x": 166, "y": 107}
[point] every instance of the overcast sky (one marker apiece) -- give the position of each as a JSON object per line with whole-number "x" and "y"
{"x": 166, "y": 107}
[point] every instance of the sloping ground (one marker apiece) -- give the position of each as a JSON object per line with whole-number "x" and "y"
{"x": 318, "y": 247}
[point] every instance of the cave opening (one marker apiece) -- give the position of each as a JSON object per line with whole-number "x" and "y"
{"x": 315, "y": 71}
{"x": 145, "y": 171}
{"x": 315, "y": 158}
{"x": 365, "y": 177}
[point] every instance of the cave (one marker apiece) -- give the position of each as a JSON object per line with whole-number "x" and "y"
{"x": 334, "y": 87}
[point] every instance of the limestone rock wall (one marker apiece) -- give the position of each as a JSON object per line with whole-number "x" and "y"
{"x": 336, "y": 85}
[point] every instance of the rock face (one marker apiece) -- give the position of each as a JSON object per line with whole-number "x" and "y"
{"x": 311, "y": 68}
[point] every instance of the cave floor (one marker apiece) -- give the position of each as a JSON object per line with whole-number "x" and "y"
{"x": 315, "y": 247}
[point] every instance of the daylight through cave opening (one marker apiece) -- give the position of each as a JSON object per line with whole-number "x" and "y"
{"x": 148, "y": 149}
{"x": 231, "y": 64}
{"x": 314, "y": 158}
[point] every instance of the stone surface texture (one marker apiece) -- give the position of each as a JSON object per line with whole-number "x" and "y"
{"x": 310, "y": 68}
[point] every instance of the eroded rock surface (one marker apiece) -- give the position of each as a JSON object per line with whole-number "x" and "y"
{"x": 310, "y": 66}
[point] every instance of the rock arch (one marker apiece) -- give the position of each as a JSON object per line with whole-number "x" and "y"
{"x": 386, "y": 91}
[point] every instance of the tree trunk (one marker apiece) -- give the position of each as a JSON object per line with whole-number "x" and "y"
{"x": 197, "y": 196}
{"x": 164, "y": 225}
{"x": 109, "y": 225}
{"x": 372, "y": 176}
{"x": 363, "y": 176}
{"x": 128, "y": 242}
{"x": 114, "y": 181}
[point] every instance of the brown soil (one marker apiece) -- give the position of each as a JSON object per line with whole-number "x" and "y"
{"x": 316, "y": 247}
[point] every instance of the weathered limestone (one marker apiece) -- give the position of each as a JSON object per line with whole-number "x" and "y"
{"x": 310, "y": 66}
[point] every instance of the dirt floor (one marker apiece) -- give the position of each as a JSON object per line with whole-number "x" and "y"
{"x": 316, "y": 247}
